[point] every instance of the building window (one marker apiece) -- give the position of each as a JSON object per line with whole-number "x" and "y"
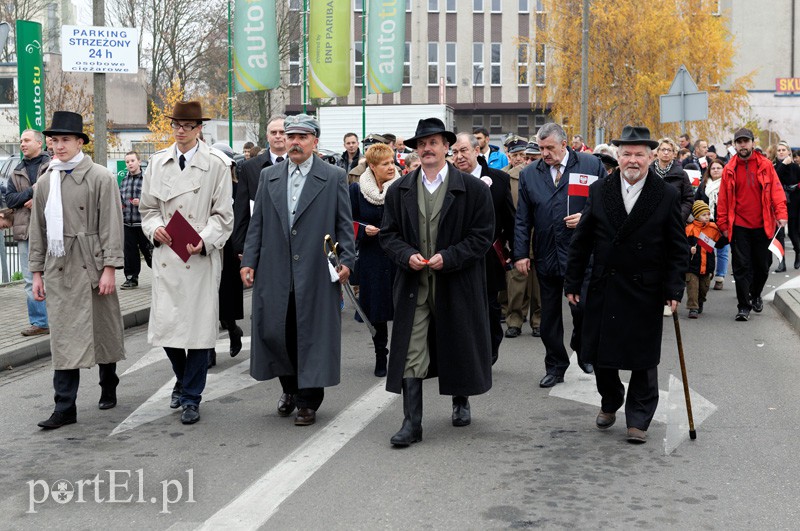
{"x": 294, "y": 63}
{"x": 450, "y": 6}
{"x": 407, "y": 64}
{"x": 541, "y": 69}
{"x": 433, "y": 63}
{"x": 524, "y": 6}
{"x": 495, "y": 124}
{"x": 523, "y": 59}
{"x": 359, "y": 6}
{"x": 359, "y": 62}
{"x": 450, "y": 63}
{"x": 495, "y": 66}
{"x": 497, "y": 6}
{"x": 477, "y": 63}
{"x": 408, "y": 6}
{"x": 477, "y": 121}
{"x": 7, "y": 91}
{"x": 297, "y": 5}
{"x": 522, "y": 125}
{"x": 433, "y": 6}
{"x": 540, "y": 6}
{"x": 477, "y": 6}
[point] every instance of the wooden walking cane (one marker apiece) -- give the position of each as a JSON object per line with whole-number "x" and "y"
{"x": 692, "y": 432}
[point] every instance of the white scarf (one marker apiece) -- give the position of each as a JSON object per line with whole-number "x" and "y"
{"x": 369, "y": 186}
{"x": 54, "y": 210}
{"x": 712, "y": 191}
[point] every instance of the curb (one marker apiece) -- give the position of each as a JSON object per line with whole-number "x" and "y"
{"x": 787, "y": 302}
{"x": 38, "y": 350}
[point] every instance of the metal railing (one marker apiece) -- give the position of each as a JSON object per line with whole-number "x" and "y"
{"x": 9, "y": 258}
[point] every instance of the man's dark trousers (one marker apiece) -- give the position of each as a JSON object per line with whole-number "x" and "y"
{"x": 304, "y": 398}
{"x": 136, "y": 241}
{"x": 642, "y": 400}
{"x": 556, "y": 359}
{"x": 751, "y": 261}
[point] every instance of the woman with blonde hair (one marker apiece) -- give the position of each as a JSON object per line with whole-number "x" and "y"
{"x": 375, "y": 270}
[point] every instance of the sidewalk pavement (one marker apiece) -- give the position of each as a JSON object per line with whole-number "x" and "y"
{"x": 16, "y": 350}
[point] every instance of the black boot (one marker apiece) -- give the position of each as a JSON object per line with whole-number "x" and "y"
{"x": 235, "y": 333}
{"x": 175, "y": 398}
{"x": 380, "y": 362}
{"x": 797, "y": 260}
{"x": 781, "y": 266}
{"x": 461, "y": 412}
{"x": 212, "y": 358}
{"x": 108, "y": 385}
{"x": 411, "y": 431}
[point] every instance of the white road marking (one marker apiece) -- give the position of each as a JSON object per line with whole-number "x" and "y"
{"x": 256, "y": 505}
{"x": 581, "y": 387}
{"x": 157, "y": 354}
{"x": 789, "y": 284}
{"x": 218, "y": 385}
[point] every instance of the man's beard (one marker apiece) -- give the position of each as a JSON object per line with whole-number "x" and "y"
{"x": 744, "y": 153}
{"x": 632, "y": 174}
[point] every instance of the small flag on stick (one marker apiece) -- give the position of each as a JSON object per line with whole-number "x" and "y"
{"x": 776, "y": 248}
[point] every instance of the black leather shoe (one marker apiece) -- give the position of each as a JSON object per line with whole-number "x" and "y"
{"x": 537, "y": 332}
{"x": 305, "y": 417}
{"x": 175, "y": 399}
{"x": 107, "y": 401}
{"x": 513, "y": 331}
{"x": 743, "y": 315}
{"x": 285, "y": 405}
{"x": 781, "y": 266}
{"x": 758, "y": 304}
{"x": 461, "y": 412}
{"x": 605, "y": 420}
{"x": 586, "y": 367}
{"x": 550, "y": 380}
{"x": 190, "y": 414}
{"x": 797, "y": 260}
{"x": 236, "y": 340}
{"x": 58, "y": 419}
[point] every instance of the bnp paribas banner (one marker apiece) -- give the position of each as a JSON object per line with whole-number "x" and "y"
{"x": 30, "y": 70}
{"x": 256, "y": 64}
{"x": 329, "y": 48}
{"x": 386, "y": 45}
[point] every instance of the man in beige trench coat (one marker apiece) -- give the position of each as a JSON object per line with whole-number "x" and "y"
{"x": 191, "y": 178}
{"x": 76, "y": 244}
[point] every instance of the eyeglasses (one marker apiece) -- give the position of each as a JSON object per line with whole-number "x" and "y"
{"x": 185, "y": 127}
{"x": 666, "y": 149}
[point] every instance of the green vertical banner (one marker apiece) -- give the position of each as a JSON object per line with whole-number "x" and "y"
{"x": 386, "y": 38}
{"x": 122, "y": 171}
{"x": 30, "y": 69}
{"x": 256, "y": 64}
{"x": 329, "y": 48}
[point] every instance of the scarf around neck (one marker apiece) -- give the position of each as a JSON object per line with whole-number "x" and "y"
{"x": 53, "y": 209}
{"x": 369, "y": 187}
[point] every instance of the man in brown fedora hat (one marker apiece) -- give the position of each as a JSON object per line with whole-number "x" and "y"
{"x": 632, "y": 226}
{"x": 438, "y": 225}
{"x": 191, "y": 178}
{"x": 75, "y": 246}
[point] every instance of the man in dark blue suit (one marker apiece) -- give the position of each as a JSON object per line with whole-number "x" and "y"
{"x": 545, "y": 206}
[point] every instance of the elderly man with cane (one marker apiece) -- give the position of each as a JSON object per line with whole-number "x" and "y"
{"x": 632, "y": 226}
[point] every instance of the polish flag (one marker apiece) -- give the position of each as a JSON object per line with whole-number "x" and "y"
{"x": 579, "y": 184}
{"x": 706, "y": 242}
{"x": 694, "y": 177}
{"x": 776, "y": 248}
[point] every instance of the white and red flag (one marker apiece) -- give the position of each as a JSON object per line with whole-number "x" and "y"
{"x": 579, "y": 184}
{"x": 776, "y": 248}
{"x": 694, "y": 177}
{"x": 706, "y": 242}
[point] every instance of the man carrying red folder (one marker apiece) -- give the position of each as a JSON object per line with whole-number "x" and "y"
{"x": 187, "y": 213}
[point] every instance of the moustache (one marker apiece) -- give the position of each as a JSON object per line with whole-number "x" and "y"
{"x": 295, "y": 149}
{"x": 426, "y": 153}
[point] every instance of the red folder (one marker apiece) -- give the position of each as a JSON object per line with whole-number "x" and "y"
{"x": 181, "y": 233}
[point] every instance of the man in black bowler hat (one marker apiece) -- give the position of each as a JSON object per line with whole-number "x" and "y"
{"x": 632, "y": 226}
{"x": 438, "y": 225}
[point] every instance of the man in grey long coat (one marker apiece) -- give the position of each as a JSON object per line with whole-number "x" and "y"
{"x": 76, "y": 244}
{"x": 296, "y": 318}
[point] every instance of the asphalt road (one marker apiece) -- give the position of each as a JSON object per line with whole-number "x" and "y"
{"x": 529, "y": 459}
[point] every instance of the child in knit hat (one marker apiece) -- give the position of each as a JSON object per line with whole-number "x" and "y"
{"x": 703, "y": 236}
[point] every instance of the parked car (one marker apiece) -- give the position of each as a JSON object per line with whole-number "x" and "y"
{"x": 6, "y": 168}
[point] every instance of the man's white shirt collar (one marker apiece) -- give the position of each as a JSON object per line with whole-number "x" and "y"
{"x": 440, "y": 178}
{"x": 189, "y": 154}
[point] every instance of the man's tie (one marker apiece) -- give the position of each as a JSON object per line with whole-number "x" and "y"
{"x": 278, "y": 159}
{"x": 182, "y": 162}
{"x": 558, "y": 174}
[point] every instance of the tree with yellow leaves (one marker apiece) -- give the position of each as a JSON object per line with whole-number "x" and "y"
{"x": 160, "y": 128}
{"x": 635, "y": 49}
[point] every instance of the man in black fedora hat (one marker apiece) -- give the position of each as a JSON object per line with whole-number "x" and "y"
{"x": 75, "y": 246}
{"x": 437, "y": 226}
{"x": 194, "y": 180}
{"x": 632, "y": 226}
